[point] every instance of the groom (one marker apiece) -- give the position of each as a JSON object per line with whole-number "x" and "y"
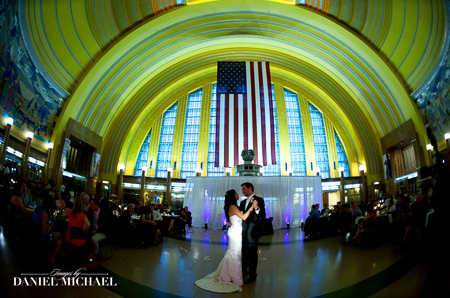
{"x": 251, "y": 231}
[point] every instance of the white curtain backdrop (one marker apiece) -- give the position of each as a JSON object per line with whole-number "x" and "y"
{"x": 287, "y": 198}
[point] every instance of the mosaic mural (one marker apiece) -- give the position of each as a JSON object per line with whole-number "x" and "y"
{"x": 434, "y": 103}
{"x": 24, "y": 93}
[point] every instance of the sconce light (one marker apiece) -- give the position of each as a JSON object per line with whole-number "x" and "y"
{"x": 447, "y": 136}
{"x": 122, "y": 167}
{"x": 30, "y": 135}
{"x": 429, "y": 147}
{"x": 170, "y": 170}
{"x": 9, "y": 121}
{"x": 362, "y": 168}
{"x": 50, "y": 145}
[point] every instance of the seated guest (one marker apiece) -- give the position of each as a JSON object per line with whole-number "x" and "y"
{"x": 402, "y": 220}
{"x": 189, "y": 214}
{"x": 86, "y": 201}
{"x": 325, "y": 210}
{"x": 59, "y": 202}
{"x": 355, "y": 210}
{"x": 18, "y": 204}
{"x": 346, "y": 221}
{"x": 116, "y": 204}
{"x": 21, "y": 214}
{"x": 78, "y": 224}
{"x": 43, "y": 225}
{"x": 151, "y": 221}
{"x": 367, "y": 225}
{"x": 126, "y": 225}
{"x": 138, "y": 208}
{"x": 178, "y": 221}
{"x": 312, "y": 222}
{"x": 335, "y": 218}
{"x": 100, "y": 224}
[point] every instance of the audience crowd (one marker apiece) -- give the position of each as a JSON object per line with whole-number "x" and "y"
{"x": 67, "y": 227}
{"x": 63, "y": 224}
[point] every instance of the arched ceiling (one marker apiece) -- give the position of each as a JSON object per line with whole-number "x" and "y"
{"x": 356, "y": 59}
{"x": 70, "y": 36}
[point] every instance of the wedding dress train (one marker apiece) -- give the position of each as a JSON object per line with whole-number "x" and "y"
{"x": 228, "y": 276}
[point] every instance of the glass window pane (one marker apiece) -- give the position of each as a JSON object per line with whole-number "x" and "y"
{"x": 295, "y": 133}
{"x": 191, "y": 134}
{"x": 166, "y": 141}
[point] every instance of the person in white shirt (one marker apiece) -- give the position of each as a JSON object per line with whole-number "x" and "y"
{"x": 99, "y": 226}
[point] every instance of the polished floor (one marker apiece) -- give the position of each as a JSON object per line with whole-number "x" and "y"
{"x": 289, "y": 266}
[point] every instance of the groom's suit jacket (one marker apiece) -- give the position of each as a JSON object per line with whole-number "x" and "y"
{"x": 256, "y": 219}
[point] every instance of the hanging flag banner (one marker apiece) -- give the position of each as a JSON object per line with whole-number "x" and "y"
{"x": 244, "y": 113}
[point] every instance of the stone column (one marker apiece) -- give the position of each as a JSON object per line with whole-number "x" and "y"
{"x": 9, "y": 123}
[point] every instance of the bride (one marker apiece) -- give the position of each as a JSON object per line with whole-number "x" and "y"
{"x": 228, "y": 276}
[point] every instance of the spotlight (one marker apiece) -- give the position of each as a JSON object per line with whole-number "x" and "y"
{"x": 288, "y": 226}
{"x": 206, "y": 225}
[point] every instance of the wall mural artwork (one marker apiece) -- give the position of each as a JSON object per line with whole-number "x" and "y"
{"x": 434, "y": 103}
{"x": 24, "y": 93}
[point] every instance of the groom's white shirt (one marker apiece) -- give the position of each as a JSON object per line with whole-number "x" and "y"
{"x": 248, "y": 200}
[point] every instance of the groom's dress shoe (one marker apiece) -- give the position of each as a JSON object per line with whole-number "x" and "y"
{"x": 250, "y": 280}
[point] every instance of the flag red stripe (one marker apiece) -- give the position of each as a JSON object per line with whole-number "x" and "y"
{"x": 236, "y": 129}
{"x": 245, "y": 108}
{"x": 263, "y": 113}
{"x": 255, "y": 135}
{"x": 216, "y": 163}
{"x": 227, "y": 124}
{"x": 272, "y": 117}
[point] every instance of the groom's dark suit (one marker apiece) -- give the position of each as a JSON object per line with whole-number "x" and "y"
{"x": 251, "y": 231}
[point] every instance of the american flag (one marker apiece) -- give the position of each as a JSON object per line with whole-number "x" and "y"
{"x": 244, "y": 113}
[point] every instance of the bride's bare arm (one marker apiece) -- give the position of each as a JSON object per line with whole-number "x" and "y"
{"x": 235, "y": 211}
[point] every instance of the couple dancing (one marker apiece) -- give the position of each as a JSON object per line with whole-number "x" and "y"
{"x": 241, "y": 257}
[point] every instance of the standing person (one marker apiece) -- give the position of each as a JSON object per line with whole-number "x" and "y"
{"x": 251, "y": 231}
{"x": 228, "y": 276}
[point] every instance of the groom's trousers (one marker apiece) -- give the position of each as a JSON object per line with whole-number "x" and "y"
{"x": 250, "y": 239}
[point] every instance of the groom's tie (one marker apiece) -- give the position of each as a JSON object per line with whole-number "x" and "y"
{"x": 248, "y": 204}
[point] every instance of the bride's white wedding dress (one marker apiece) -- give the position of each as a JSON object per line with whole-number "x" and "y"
{"x": 228, "y": 276}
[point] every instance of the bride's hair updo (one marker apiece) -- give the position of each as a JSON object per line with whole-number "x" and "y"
{"x": 230, "y": 199}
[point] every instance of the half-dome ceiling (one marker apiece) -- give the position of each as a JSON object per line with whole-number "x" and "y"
{"x": 123, "y": 63}
{"x": 69, "y": 36}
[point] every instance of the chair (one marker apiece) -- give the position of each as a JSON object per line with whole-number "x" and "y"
{"x": 106, "y": 243}
{"x": 77, "y": 249}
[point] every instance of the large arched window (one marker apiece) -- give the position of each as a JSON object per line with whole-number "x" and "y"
{"x": 274, "y": 170}
{"x": 191, "y": 134}
{"x": 212, "y": 170}
{"x": 295, "y": 131}
{"x": 342, "y": 156}
{"x": 166, "y": 141}
{"x": 320, "y": 142}
{"x": 142, "y": 159}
